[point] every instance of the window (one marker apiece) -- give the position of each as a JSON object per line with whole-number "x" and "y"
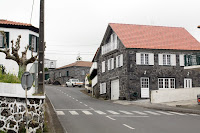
{"x": 166, "y": 59}
{"x": 60, "y": 74}
{"x": 119, "y": 60}
{"x": 111, "y": 45}
{"x": 2, "y": 45}
{"x": 103, "y": 66}
{"x": 144, "y": 82}
{"x": 83, "y": 72}
{"x": 51, "y": 65}
{"x": 102, "y": 88}
{"x": 187, "y": 83}
{"x": 166, "y": 83}
{"x": 33, "y": 43}
{"x": 67, "y": 73}
{"x": 144, "y": 59}
{"x": 111, "y": 64}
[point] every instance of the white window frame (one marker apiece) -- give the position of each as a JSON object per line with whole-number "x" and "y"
{"x": 170, "y": 83}
{"x": 119, "y": 60}
{"x": 185, "y": 83}
{"x": 144, "y": 58}
{"x": 103, "y": 88}
{"x": 167, "y": 59}
{"x": 146, "y": 85}
{"x": 111, "y": 45}
{"x": 103, "y": 65}
{"x": 60, "y": 74}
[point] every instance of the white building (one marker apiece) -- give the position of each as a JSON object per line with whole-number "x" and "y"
{"x": 29, "y": 36}
{"x": 50, "y": 64}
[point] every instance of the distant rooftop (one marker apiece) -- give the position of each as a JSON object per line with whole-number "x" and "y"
{"x": 78, "y": 63}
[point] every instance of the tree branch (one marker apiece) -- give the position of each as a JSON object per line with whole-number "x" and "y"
{"x": 31, "y": 60}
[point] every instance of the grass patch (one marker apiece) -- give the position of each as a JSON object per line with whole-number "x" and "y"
{"x": 9, "y": 78}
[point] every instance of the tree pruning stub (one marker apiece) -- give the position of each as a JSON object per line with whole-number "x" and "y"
{"x": 27, "y": 81}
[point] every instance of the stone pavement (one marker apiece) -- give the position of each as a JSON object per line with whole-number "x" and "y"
{"x": 190, "y": 106}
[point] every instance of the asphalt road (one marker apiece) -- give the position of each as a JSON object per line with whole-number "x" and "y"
{"x": 79, "y": 113}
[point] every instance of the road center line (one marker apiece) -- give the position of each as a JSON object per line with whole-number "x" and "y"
{"x": 80, "y": 102}
{"x": 85, "y": 104}
{"x": 110, "y": 118}
{"x": 128, "y": 126}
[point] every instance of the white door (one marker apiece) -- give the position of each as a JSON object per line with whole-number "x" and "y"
{"x": 115, "y": 89}
{"x": 144, "y": 81}
{"x": 187, "y": 83}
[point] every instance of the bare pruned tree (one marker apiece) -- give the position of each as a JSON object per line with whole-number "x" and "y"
{"x": 13, "y": 54}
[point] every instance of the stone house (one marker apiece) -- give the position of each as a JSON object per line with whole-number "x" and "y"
{"x": 76, "y": 70}
{"x": 29, "y": 36}
{"x": 132, "y": 60}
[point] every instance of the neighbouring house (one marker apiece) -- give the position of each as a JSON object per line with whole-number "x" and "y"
{"x": 29, "y": 36}
{"x": 76, "y": 70}
{"x": 132, "y": 60}
{"x": 49, "y": 64}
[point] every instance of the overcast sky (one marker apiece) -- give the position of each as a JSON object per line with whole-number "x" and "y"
{"x": 78, "y": 26}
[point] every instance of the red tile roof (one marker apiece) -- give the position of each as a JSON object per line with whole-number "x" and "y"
{"x": 78, "y": 63}
{"x": 155, "y": 37}
{"x": 2, "y": 21}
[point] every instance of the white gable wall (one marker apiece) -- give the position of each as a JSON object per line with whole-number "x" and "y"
{"x": 11, "y": 66}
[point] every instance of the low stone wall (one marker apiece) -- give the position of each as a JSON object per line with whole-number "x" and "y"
{"x": 171, "y": 95}
{"x": 13, "y": 111}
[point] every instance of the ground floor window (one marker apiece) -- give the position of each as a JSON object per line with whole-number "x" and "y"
{"x": 166, "y": 83}
{"x": 187, "y": 83}
{"x": 102, "y": 88}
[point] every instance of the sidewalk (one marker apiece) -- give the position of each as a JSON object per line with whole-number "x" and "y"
{"x": 190, "y": 106}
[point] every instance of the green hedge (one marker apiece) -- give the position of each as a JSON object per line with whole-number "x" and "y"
{"x": 9, "y": 78}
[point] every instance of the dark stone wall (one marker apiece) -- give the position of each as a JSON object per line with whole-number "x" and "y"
{"x": 74, "y": 72}
{"x": 158, "y": 71}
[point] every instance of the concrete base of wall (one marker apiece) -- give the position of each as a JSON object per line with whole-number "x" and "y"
{"x": 171, "y": 95}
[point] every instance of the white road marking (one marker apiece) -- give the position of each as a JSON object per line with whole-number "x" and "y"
{"x": 76, "y": 100}
{"x": 73, "y": 112}
{"x": 99, "y": 112}
{"x": 91, "y": 108}
{"x": 69, "y": 96}
{"x": 85, "y": 104}
{"x": 60, "y": 113}
{"x": 125, "y": 112}
{"x": 153, "y": 113}
{"x": 177, "y": 113}
{"x": 110, "y": 118}
{"x": 73, "y": 109}
{"x": 138, "y": 112}
{"x": 72, "y": 98}
{"x": 128, "y": 126}
{"x": 87, "y": 112}
{"x": 80, "y": 102}
{"x": 162, "y": 112}
{"x": 194, "y": 114}
{"x": 113, "y": 112}
{"x": 143, "y": 116}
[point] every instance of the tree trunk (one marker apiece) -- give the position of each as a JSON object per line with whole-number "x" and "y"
{"x": 22, "y": 69}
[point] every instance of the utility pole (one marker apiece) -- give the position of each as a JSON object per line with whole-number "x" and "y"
{"x": 41, "y": 50}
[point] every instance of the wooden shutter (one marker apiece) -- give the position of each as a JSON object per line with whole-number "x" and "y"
{"x": 138, "y": 58}
{"x": 181, "y": 59}
{"x": 173, "y": 59}
{"x": 151, "y": 59}
{"x": 37, "y": 41}
{"x": 7, "y": 39}
{"x": 108, "y": 62}
{"x": 30, "y": 41}
{"x": 121, "y": 60}
{"x": 103, "y": 66}
{"x": 101, "y": 88}
{"x": 160, "y": 59}
{"x": 104, "y": 88}
{"x": 116, "y": 61}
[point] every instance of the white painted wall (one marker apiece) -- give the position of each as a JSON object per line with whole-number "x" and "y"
{"x": 48, "y": 64}
{"x": 11, "y": 66}
{"x": 94, "y": 81}
{"x": 170, "y": 95}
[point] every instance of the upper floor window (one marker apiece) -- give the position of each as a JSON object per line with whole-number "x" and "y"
{"x": 33, "y": 43}
{"x": 166, "y": 59}
{"x": 67, "y": 73}
{"x": 2, "y": 45}
{"x": 111, "y": 64}
{"x": 83, "y": 72}
{"x": 60, "y": 74}
{"x": 110, "y": 45}
{"x": 103, "y": 65}
{"x": 144, "y": 58}
{"x": 119, "y": 60}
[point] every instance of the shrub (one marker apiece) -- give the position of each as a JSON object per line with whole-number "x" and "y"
{"x": 9, "y": 78}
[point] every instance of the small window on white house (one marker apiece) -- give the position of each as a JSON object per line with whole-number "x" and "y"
{"x": 103, "y": 66}
{"x": 1, "y": 40}
{"x": 102, "y": 88}
{"x": 166, "y": 83}
{"x": 2, "y": 45}
{"x": 33, "y": 42}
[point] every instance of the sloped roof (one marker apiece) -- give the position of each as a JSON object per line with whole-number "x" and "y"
{"x": 13, "y": 24}
{"x": 78, "y": 63}
{"x": 155, "y": 37}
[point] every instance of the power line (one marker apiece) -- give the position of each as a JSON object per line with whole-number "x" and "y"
{"x": 32, "y": 11}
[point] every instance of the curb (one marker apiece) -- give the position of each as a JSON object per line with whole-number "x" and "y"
{"x": 54, "y": 121}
